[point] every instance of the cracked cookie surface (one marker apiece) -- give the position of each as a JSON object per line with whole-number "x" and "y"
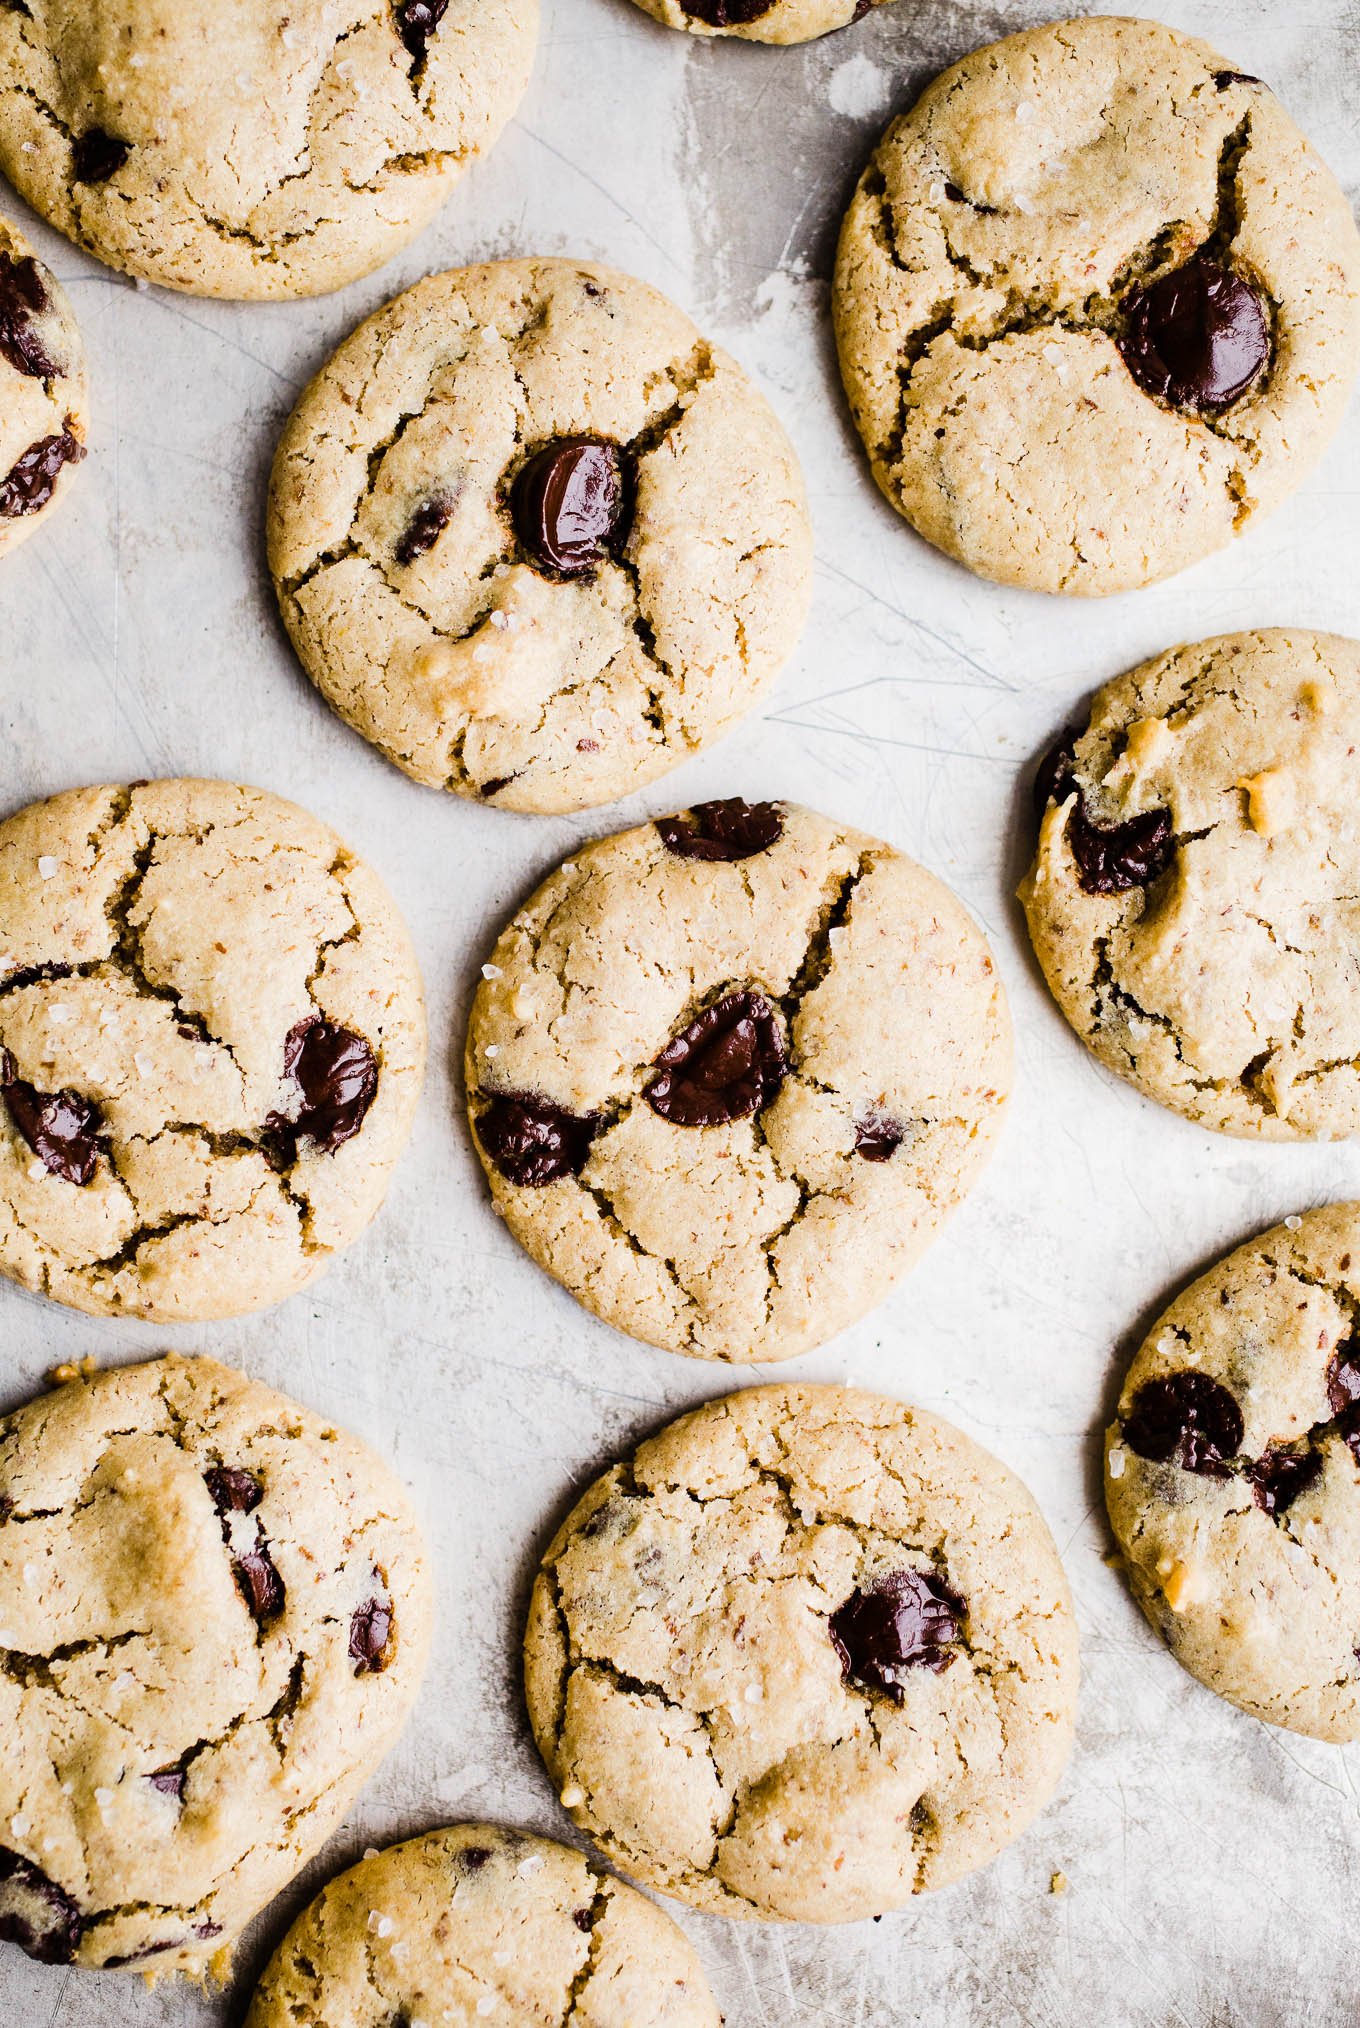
{"x": 248, "y": 150}
{"x": 712, "y": 1717}
{"x": 212, "y": 1038}
{"x": 994, "y": 276}
{"x": 729, "y": 1072}
{"x": 44, "y": 397}
{"x": 1232, "y": 1475}
{"x": 214, "y": 1612}
{"x": 1192, "y": 901}
{"x": 477, "y": 1923}
{"x": 782, "y": 21}
{"x": 410, "y": 564}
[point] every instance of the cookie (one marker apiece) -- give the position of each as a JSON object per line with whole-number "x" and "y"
{"x": 759, "y": 20}
{"x": 809, "y": 1653}
{"x": 44, "y": 400}
{"x": 1098, "y": 307}
{"x": 214, "y": 1614}
{"x": 476, "y": 1923}
{"x": 1192, "y": 898}
{"x": 534, "y": 538}
{"x": 249, "y": 150}
{"x": 729, "y": 1072}
{"x": 211, "y": 1044}
{"x": 1232, "y": 1475}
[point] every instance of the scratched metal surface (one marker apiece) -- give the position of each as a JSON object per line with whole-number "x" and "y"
{"x": 1212, "y": 1862}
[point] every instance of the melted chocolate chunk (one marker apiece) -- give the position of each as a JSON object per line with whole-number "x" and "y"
{"x": 169, "y": 1781}
{"x": 260, "y": 1584}
{"x": 532, "y": 1141}
{"x": 728, "y": 1063}
{"x": 1189, "y": 1417}
{"x": 1198, "y": 338}
{"x": 474, "y": 1857}
{"x": 569, "y": 505}
{"x": 337, "y": 1074}
{"x": 233, "y": 1491}
{"x": 581, "y": 1917}
{"x": 35, "y": 1913}
{"x": 1113, "y": 858}
{"x": 417, "y": 21}
{"x": 96, "y": 155}
{"x": 34, "y": 975}
{"x": 1278, "y": 1477}
{"x": 1224, "y": 78}
{"x": 236, "y": 1492}
{"x": 370, "y": 1631}
{"x": 23, "y": 297}
{"x": 1343, "y": 1377}
{"x": 726, "y": 13}
{"x": 878, "y": 1136}
{"x": 61, "y": 1127}
{"x": 727, "y": 830}
{"x": 1054, "y": 779}
{"x": 424, "y": 528}
{"x": 906, "y": 1620}
{"x": 32, "y": 479}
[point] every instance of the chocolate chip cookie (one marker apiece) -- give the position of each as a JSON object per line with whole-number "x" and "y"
{"x": 1098, "y": 306}
{"x": 1192, "y": 898}
{"x": 759, "y": 20}
{"x": 214, "y": 1612}
{"x": 1232, "y": 1475}
{"x": 475, "y": 1924}
{"x": 43, "y": 395}
{"x": 535, "y": 538}
{"x": 809, "y": 1653}
{"x": 729, "y": 1072}
{"x": 244, "y": 149}
{"x": 211, "y": 1044}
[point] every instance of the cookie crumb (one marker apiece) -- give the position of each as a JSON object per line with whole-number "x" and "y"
{"x": 1058, "y": 1884}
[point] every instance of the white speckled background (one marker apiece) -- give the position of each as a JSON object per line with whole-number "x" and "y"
{"x": 1212, "y": 1862}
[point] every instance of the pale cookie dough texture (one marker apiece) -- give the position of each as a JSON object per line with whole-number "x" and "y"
{"x": 1232, "y": 1480}
{"x": 44, "y": 401}
{"x": 248, "y": 149}
{"x": 475, "y": 1924}
{"x": 1192, "y": 901}
{"x": 988, "y": 289}
{"x": 809, "y": 1653}
{"x": 759, "y": 20}
{"x": 211, "y": 1044}
{"x": 452, "y": 621}
{"x": 728, "y": 1100}
{"x": 214, "y": 1613}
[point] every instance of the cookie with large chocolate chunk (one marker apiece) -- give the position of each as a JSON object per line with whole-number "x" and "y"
{"x": 729, "y": 1072}
{"x": 780, "y": 21}
{"x": 807, "y": 1653}
{"x": 188, "y": 1564}
{"x": 44, "y": 400}
{"x": 1098, "y": 306}
{"x": 211, "y": 1044}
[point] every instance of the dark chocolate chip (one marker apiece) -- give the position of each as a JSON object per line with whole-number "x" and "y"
{"x": 23, "y": 297}
{"x": 726, "y": 13}
{"x": 494, "y": 787}
{"x": 906, "y": 1620}
{"x": 728, "y": 1063}
{"x": 96, "y": 155}
{"x": 260, "y": 1584}
{"x": 727, "y": 830}
{"x": 1197, "y": 338}
{"x": 1224, "y": 78}
{"x": 236, "y": 1492}
{"x": 474, "y": 1857}
{"x": 878, "y": 1136}
{"x": 370, "y": 1631}
{"x": 337, "y": 1074}
{"x": 1278, "y": 1477}
{"x": 1189, "y": 1417}
{"x": 206, "y": 1930}
{"x": 532, "y": 1141}
{"x": 1054, "y": 779}
{"x": 417, "y": 21}
{"x": 31, "y": 481}
{"x": 61, "y": 1127}
{"x": 35, "y": 1913}
{"x": 569, "y": 505}
{"x": 954, "y": 194}
{"x": 424, "y": 528}
{"x": 582, "y": 1918}
{"x": 1343, "y": 1377}
{"x": 35, "y": 975}
{"x": 233, "y": 1491}
{"x": 169, "y": 1781}
{"x": 1112, "y": 858}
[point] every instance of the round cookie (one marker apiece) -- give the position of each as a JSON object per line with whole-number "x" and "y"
{"x": 809, "y": 1653}
{"x": 534, "y": 538}
{"x": 759, "y": 20}
{"x": 44, "y": 399}
{"x": 1098, "y": 306}
{"x": 214, "y": 1613}
{"x": 1192, "y": 898}
{"x": 211, "y": 1044}
{"x": 729, "y": 1072}
{"x": 248, "y": 150}
{"x": 1232, "y": 1475}
{"x": 476, "y": 1922}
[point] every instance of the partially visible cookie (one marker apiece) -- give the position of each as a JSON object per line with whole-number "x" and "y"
{"x": 212, "y": 1037}
{"x": 476, "y": 1924}
{"x": 1192, "y": 901}
{"x": 808, "y": 1653}
{"x": 43, "y": 394}
{"x": 1232, "y": 1475}
{"x": 534, "y": 537}
{"x": 729, "y": 1072}
{"x": 214, "y": 1615}
{"x": 1098, "y": 306}
{"x": 759, "y": 20}
{"x": 249, "y": 150}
